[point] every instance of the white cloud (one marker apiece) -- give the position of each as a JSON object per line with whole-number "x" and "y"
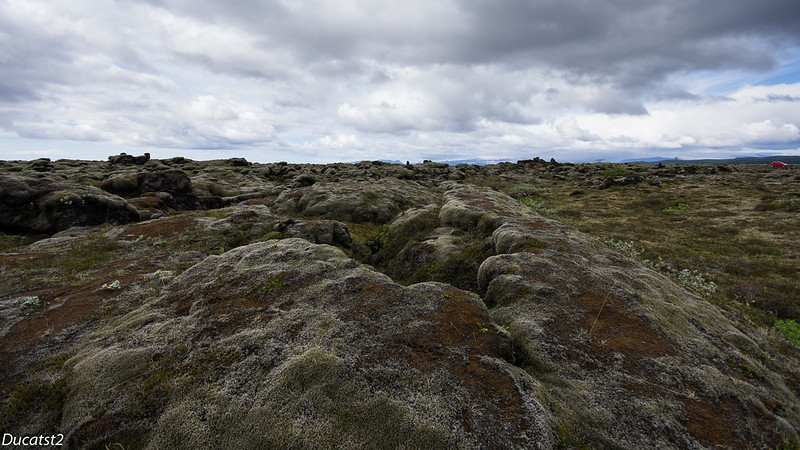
{"x": 743, "y": 119}
{"x": 349, "y": 80}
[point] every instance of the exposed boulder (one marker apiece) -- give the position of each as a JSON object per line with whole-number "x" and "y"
{"x": 328, "y": 232}
{"x": 129, "y": 160}
{"x": 41, "y": 205}
{"x": 211, "y": 202}
{"x": 238, "y": 162}
{"x": 305, "y": 179}
{"x": 175, "y": 183}
{"x": 41, "y": 165}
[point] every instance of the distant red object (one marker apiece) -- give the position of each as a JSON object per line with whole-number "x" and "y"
{"x": 778, "y": 164}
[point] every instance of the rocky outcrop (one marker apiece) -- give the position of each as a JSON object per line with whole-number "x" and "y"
{"x": 641, "y": 347}
{"x": 42, "y": 205}
{"x": 129, "y": 160}
{"x": 376, "y": 202}
{"x": 286, "y": 343}
{"x": 328, "y": 232}
{"x": 579, "y": 314}
{"x": 172, "y": 187}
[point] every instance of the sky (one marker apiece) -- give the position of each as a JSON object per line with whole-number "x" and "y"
{"x": 350, "y": 80}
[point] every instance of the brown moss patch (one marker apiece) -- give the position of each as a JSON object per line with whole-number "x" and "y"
{"x": 75, "y": 305}
{"x": 13, "y": 260}
{"x": 496, "y": 398}
{"x": 141, "y": 203}
{"x": 613, "y": 327}
{"x": 715, "y": 423}
{"x": 371, "y": 300}
{"x": 161, "y": 228}
{"x": 258, "y": 201}
{"x": 459, "y": 321}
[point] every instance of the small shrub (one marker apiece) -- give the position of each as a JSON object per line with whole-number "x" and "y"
{"x": 379, "y": 242}
{"x": 681, "y": 207}
{"x": 625, "y": 248}
{"x": 688, "y": 278}
{"x": 694, "y": 279}
{"x": 30, "y": 304}
{"x": 114, "y": 286}
{"x": 477, "y": 298}
{"x": 788, "y": 328}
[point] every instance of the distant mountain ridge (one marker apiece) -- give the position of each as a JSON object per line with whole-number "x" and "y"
{"x": 743, "y": 160}
{"x": 654, "y": 160}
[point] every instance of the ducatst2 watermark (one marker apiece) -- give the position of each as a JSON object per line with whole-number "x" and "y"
{"x": 53, "y": 440}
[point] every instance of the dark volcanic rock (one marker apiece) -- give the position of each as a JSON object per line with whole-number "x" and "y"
{"x": 328, "y": 232}
{"x": 41, "y": 165}
{"x": 41, "y": 205}
{"x": 173, "y": 182}
{"x": 129, "y": 160}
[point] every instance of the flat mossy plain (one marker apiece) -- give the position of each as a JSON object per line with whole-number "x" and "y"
{"x": 736, "y": 227}
{"x": 722, "y": 230}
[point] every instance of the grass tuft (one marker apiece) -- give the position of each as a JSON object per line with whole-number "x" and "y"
{"x": 789, "y": 328}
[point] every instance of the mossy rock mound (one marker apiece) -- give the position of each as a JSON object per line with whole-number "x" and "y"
{"x": 292, "y": 344}
{"x": 354, "y": 201}
{"x": 43, "y": 205}
{"x": 647, "y": 354}
{"x": 172, "y": 186}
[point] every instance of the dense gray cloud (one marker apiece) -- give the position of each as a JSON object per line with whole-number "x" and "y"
{"x": 327, "y": 80}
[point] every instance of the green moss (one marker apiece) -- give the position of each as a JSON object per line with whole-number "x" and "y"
{"x": 55, "y": 363}
{"x": 565, "y": 439}
{"x": 11, "y": 243}
{"x": 273, "y": 285}
{"x": 92, "y": 253}
{"x": 377, "y": 243}
{"x": 677, "y": 209}
{"x": 714, "y": 226}
{"x": 780, "y": 205}
{"x": 616, "y": 171}
{"x": 789, "y": 328}
{"x": 394, "y": 239}
{"x": 459, "y": 269}
{"x": 744, "y": 368}
{"x": 541, "y": 207}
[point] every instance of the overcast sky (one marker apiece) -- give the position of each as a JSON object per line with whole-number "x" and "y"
{"x": 350, "y": 80}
